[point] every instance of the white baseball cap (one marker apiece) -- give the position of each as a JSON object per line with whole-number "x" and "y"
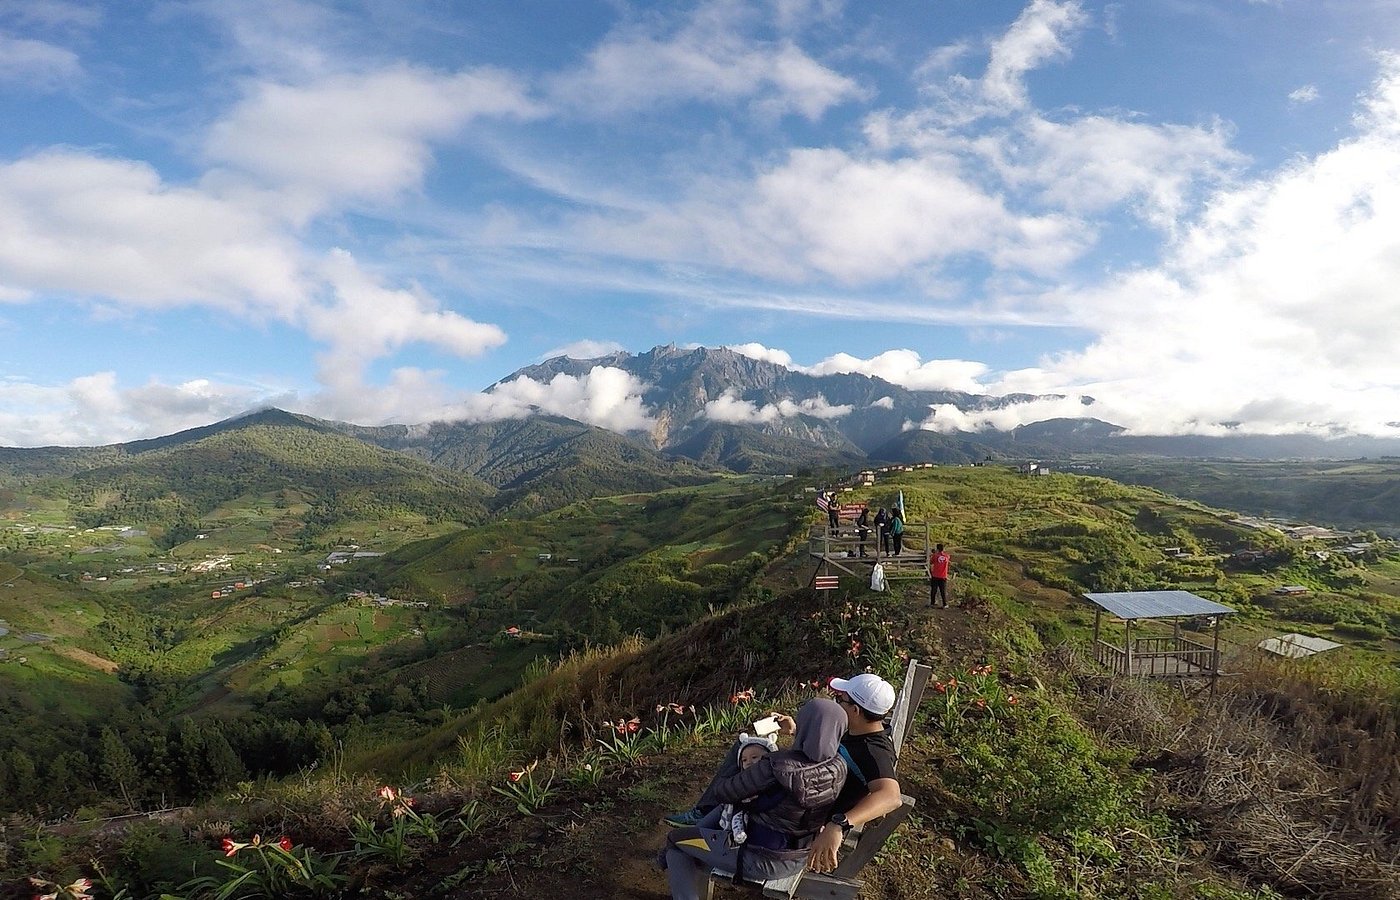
{"x": 869, "y": 691}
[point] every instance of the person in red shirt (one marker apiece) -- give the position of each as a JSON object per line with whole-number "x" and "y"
{"x": 938, "y": 576}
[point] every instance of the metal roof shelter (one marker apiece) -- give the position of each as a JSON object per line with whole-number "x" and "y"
{"x": 1297, "y": 646}
{"x": 1158, "y": 656}
{"x": 1157, "y": 604}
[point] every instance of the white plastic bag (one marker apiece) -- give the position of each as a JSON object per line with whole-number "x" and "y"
{"x": 877, "y": 578}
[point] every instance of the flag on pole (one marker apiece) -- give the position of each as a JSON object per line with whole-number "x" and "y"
{"x": 823, "y": 503}
{"x": 901, "y": 506}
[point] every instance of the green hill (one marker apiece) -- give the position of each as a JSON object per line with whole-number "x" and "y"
{"x": 182, "y": 481}
{"x": 1081, "y": 787}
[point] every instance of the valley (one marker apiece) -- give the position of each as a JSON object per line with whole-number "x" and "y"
{"x": 245, "y": 610}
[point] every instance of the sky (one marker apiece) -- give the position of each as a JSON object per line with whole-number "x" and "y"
{"x": 373, "y": 210}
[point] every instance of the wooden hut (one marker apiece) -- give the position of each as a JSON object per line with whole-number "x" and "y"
{"x": 1158, "y": 655}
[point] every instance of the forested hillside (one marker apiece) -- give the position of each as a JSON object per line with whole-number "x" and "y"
{"x": 297, "y": 690}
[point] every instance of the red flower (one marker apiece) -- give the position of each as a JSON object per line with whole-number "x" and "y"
{"x": 516, "y": 776}
{"x": 388, "y": 793}
{"x": 1011, "y": 700}
{"x": 285, "y": 843}
{"x": 230, "y": 846}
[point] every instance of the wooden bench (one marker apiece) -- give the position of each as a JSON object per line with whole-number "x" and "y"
{"x": 862, "y": 844}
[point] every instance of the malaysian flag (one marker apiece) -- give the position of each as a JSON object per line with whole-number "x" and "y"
{"x": 823, "y": 503}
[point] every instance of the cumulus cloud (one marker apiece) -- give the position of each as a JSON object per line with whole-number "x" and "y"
{"x": 1273, "y": 312}
{"x": 902, "y": 367}
{"x": 945, "y": 418}
{"x": 604, "y": 396}
{"x": 36, "y": 64}
{"x": 95, "y": 409}
{"x": 707, "y": 57}
{"x": 764, "y": 354}
{"x": 357, "y": 136}
{"x": 906, "y": 369}
{"x": 731, "y": 409}
{"x": 78, "y": 224}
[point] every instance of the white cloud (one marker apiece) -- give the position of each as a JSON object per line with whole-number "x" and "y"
{"x": 705, "y": 58}
{"x": 884, "y": 403}
{"x": 36, "y": 64}
{"x": 605, "y": 396}
{"x": 1093, "y": 163}
{"x": 764, "y": 354}
{"x": 88, "y": 228}
{"x": 902, "y": 367}
{"x": 906, "y": 369}
{"x": 825, "y": 212}
{"x": 585, "y": 349}
{"x": 356, "y": 136}
{"x": 94, "y": 409}
{"x": 1305, "y": 94}
{"x": 947, "y": 418}
{"x": 731, "y": 409}
{"x": 1275, "y": 310}
{"x": 1038, "y": 36}
{"x": 368, "y": 320}
{"x": 76, "y": 224}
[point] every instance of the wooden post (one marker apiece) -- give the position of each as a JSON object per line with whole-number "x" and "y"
{"x": 1215, "y": 656}
{"x": 1098, "y": 617}
{"x": 1127, "y": 646}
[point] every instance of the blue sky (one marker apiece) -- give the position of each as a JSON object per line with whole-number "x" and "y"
{"x": 371, "y": 211}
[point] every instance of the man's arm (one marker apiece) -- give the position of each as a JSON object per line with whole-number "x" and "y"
{"x": 883, "y": 797}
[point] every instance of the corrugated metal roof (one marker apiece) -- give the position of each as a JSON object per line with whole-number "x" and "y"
{"x": 1157, "y": 604}
{"x": 1296, "y": 646}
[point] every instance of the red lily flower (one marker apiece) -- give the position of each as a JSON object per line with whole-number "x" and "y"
{"x": 286, "y": 843}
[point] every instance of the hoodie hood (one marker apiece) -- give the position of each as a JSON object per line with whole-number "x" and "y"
{"x": 821, "y": 724}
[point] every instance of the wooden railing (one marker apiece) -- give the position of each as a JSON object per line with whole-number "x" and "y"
{"x": 1113, "y": 657}
{"x": 1158, "y": 657}
{"x": 845, "y": 543}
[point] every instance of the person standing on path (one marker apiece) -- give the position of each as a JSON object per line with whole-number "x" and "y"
{"x": 863, "y": 527}
{"x": 882, "y": 529}
{"x": 897, "y": 530}
{"x": 938, "y": 562}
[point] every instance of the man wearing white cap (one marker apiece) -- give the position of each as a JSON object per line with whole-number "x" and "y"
{"x": 871, "y": 789}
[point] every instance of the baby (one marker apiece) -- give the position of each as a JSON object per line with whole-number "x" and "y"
{"x": 733, "y": 819}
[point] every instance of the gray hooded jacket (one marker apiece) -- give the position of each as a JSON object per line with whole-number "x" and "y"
{"x": 811, "y": 774}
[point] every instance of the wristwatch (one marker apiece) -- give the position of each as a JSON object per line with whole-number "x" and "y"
{"x": 841, "y": 820}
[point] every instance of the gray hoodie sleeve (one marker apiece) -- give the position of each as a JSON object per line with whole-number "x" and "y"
{"x": 745, "y": 784}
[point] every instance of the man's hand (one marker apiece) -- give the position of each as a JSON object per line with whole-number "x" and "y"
{"x": 786, "y": 724}
{"x": 824, "y": 847}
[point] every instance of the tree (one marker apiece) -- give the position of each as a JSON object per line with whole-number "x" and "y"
{"x": 117, "y": 768}
{"x": 23, "y": 777}
{"x": 68, "y": 780}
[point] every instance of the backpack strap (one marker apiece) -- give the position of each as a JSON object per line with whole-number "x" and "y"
{"x": 851, "y": 767}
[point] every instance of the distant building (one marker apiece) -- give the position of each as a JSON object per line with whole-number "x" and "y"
{"x": 1291, "y": 589}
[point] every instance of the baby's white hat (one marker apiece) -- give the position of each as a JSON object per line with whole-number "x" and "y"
{"x": 765, "y": 742}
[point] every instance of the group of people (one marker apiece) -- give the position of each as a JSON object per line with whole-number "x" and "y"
{"x": 768, "y": 813}
{"x": 889, "y": 529}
